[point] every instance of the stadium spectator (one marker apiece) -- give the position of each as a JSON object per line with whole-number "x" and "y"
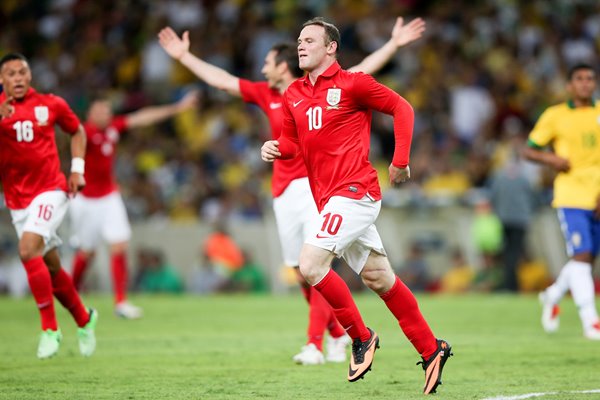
{"x": 414, "y": 272}
{"x": 292, "y": 201}
{"x": 98, "y": 213}
{"x": 327, "y": 120}
{"x": 250, "y": 278}
{"x": 513, "y": 200}
{"x": 37, "y": 195}
{"x": 571, "y": 128}
{"x": 154, "y": 274}
{"x": 459, "y": 277}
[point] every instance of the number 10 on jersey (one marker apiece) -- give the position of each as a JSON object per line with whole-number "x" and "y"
{"x": 315, "y": 118}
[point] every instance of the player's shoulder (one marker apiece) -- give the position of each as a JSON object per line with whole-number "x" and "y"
{"x": 353, "y": 79}
{"x": 557, "y": 109}
{"x": 49, "y": 98}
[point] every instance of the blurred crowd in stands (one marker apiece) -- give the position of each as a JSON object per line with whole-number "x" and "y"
{"x": 478, "y": 80}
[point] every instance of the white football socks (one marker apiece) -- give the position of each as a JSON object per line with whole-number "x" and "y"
{"x": 581, "y": 284}
{"x": 555, "y": 292}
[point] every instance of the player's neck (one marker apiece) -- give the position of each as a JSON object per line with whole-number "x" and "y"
{"x": 314, "y": 74}
{"x": 583, "y": 102}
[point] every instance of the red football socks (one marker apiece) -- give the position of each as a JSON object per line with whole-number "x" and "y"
{"x": 306, "y": 292}
{"x": 336, "y": 292}
{"x": 336, "y": 330}
{"x": 80, "y": 264}
{"x": 40, "y": 284}
{"x": 402, "y": 303}
{"x": 118, "y": 263}
{"x": 318, "y": 316}
{"x": 65, "y": 292}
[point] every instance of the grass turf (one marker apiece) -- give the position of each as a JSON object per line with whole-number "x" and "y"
{"x": 240, "y": 347}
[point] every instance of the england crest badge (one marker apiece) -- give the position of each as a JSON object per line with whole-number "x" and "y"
{"x": 334, "y": 95}
{"x": 41, "y": 114}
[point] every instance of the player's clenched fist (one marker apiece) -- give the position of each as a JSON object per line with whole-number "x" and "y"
{"x": 6, "y": 109}
{"x": 76, "y": 183}
{"x": 398, "y": 175}
{"x": 270, "y": 151}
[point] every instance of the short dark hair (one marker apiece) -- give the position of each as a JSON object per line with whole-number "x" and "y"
{"x": 578, "y": 67}
{"x": 10, "y": 57}
{"x": 332, "y": 34}
{"x": 288, "y": 53}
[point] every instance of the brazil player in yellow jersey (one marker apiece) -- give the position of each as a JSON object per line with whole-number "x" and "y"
{"x": 572, "y": 130}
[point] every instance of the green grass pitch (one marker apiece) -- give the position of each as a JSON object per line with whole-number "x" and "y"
{"x": 240, "y": 347}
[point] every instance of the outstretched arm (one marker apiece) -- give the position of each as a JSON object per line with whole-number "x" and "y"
{"x": 150, "y": 115}
{"x": 179, "y": 49}
{"x": 401, "y": 35}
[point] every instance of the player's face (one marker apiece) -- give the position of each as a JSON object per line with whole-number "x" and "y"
{"x": 16, "y": 78}
{"x": 582, "y": 84}
{"x": 100, "y": 113}
{"x": 271, "y": 71}
{"x": 312, "y": 50}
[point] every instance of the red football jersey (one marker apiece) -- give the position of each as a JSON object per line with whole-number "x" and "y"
{"x": 330, "y": 123}
{"x": 271, "y": 102}
{"x": 29, "y": 163}
{"x": 100, "y": 155}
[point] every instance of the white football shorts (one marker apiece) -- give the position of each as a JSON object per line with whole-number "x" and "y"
{"x": 294, "y": 209}
{"x": 43, "y": 216}
{"x": 347, "y": 228}
{"x": 94, "y": 220}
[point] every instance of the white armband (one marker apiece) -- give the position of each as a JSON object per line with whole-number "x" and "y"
{"x": 78, "y": 165}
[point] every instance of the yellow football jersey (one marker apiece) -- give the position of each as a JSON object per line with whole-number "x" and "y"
{"x": 574, "y": 134}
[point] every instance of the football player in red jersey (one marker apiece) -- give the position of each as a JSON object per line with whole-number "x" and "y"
{"x": 292, "y": 201}
{"x": 98, "y": 213}
{"x": 36, "y": 193}
{"x": 327, "y": 120}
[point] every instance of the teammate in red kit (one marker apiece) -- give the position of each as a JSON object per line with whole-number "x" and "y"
{"x": 36, "y": 194}
{"x": 98, "y": 213}
{"x": 327, "y": 119}
{"x": 292, "y": 202}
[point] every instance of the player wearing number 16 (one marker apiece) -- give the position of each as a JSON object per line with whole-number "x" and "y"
{"x": 36, "y": 191}
{"x": 327, "y": 119}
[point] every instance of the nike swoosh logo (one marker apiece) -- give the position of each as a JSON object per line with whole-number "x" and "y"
{"x": 321, "y": 237}
{"x": 44, "y": 304}
{"x": 353, "y": 371}
{"x": 274, "y": 106}
{"x": 295, "y": 104}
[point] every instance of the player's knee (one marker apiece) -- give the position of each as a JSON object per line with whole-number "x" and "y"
{"x": 376, "y": 280}
{"x": 312, "y": 274}
{"x": 29, "y": 250}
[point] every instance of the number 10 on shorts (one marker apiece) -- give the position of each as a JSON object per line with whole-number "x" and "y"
{"x": 332, "y": 223}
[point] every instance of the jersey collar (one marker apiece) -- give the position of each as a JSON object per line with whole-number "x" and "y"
{"x": 328, "y": 73}
{"x": 571, "y": 104}
{"x": 333, "y": 68}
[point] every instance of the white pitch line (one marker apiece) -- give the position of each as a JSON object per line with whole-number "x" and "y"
{"x": 532, "y": 395}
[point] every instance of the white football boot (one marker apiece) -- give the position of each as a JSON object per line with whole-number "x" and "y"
{"x": 336, "y": 348}
{"x": 309, "y": 355}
